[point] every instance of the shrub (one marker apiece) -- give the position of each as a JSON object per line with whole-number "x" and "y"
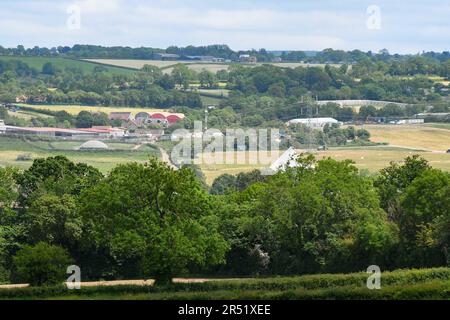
{"x": 42, "y": 264}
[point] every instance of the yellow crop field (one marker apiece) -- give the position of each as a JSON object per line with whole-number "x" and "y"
{"x": 74, "y": 109}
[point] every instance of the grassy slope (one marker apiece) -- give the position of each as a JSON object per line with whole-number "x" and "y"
{"x": 10, "y": 148}
{"x": 38, "y": 62}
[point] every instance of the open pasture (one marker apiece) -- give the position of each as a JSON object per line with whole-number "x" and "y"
{"x": 421, "y": 137}
{"x": 104, "y": 160}
{"x": 371, "y": 159}
{"x": 62, "y": 63}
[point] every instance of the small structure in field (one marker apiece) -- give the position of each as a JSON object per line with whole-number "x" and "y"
{"x": 2, "y": 127}
{"x": 94, "y": 145}
{"x": 287, "y": 160}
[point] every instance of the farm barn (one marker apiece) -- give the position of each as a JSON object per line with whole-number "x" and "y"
{"x": 124, "y": 116}
{"x": 158, "y": 118}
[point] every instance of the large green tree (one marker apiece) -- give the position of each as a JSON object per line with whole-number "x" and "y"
{"x": 151, "y": 220}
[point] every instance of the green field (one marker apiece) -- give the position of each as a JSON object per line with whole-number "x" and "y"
{"x": 104, "y": 160}
{"x": 397, "y": 285}
{"x": 38, "y": 62}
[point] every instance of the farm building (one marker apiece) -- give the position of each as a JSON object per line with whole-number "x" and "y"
{"x": 123, "y": 116}
{"x": 247, "y": 58}
{"x": 315, "y": 123}
{"x": 408, "y": 121}
{"x": 94, "y": 145}
{"x": 49, "y": 132}
{"x": 105, "y": 132}
{"x": 158, "y": 118}
{"x": 167, "y": 56}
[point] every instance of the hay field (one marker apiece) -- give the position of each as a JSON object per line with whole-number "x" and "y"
{"x": 367, "y": 158}
{"x": 75, "y": 109}
{"x": 423, "y": 137}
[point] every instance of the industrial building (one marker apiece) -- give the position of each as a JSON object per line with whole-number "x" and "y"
{"x": 315, "y": 123}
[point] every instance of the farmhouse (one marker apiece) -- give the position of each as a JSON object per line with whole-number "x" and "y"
{"x": 123, "y": 116}
{"x": 315, "y": 123}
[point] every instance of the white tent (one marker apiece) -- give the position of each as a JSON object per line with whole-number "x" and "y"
{"x": 287, "y": 160}
{"x": 93, "y": 145}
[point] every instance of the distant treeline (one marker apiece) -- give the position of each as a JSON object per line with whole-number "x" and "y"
{"x": 218, "y": 51}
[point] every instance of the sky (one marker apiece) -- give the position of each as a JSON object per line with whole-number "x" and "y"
{"x": 401, "y": 26}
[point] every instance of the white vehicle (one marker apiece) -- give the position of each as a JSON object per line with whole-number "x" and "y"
{"x": 2, "y": 127}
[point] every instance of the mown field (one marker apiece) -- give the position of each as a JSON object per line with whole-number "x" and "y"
{"x": 104, "y": 160}
{"x": 75, "y": 109}
{"x": 38, "y": 62}
{"x": 422, "y": 137}
{"x": 420, "y": 284}
{"x": 371, "y": 159}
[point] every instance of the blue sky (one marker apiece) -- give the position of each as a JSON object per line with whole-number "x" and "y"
{"x": 405, "y": 26}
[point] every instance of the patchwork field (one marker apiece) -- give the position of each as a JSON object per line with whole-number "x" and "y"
{"x": 194, "y": 65}
{"x": 74, "y": 110}
{"x": 11, "y": 148}
{"x": 38, "y": 62}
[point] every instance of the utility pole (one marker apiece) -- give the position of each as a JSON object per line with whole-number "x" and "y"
{"x": 206, "y": 120}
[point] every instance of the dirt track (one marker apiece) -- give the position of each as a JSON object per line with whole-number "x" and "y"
{"x": 148, "y": 282}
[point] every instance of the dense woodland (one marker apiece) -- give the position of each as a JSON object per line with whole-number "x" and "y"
{"x": 150, "y": 221}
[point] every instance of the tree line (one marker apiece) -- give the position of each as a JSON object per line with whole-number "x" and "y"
{"x": 148, "y": 220}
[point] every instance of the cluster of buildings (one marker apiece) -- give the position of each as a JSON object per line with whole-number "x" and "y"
{"x": 146, "y": 119}
{"x": 244, "y": 58}
{"x": 140, "y": 126}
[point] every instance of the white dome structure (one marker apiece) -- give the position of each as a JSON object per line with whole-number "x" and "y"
{"x": 93, "y": 145}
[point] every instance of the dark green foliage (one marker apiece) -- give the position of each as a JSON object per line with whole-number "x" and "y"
{"x": 151, "y": 221}
{"x": 223, "y": 184}
{"x": 41, "y": 264}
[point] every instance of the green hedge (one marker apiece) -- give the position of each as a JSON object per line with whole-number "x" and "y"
{"x": 426, "y": 282}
